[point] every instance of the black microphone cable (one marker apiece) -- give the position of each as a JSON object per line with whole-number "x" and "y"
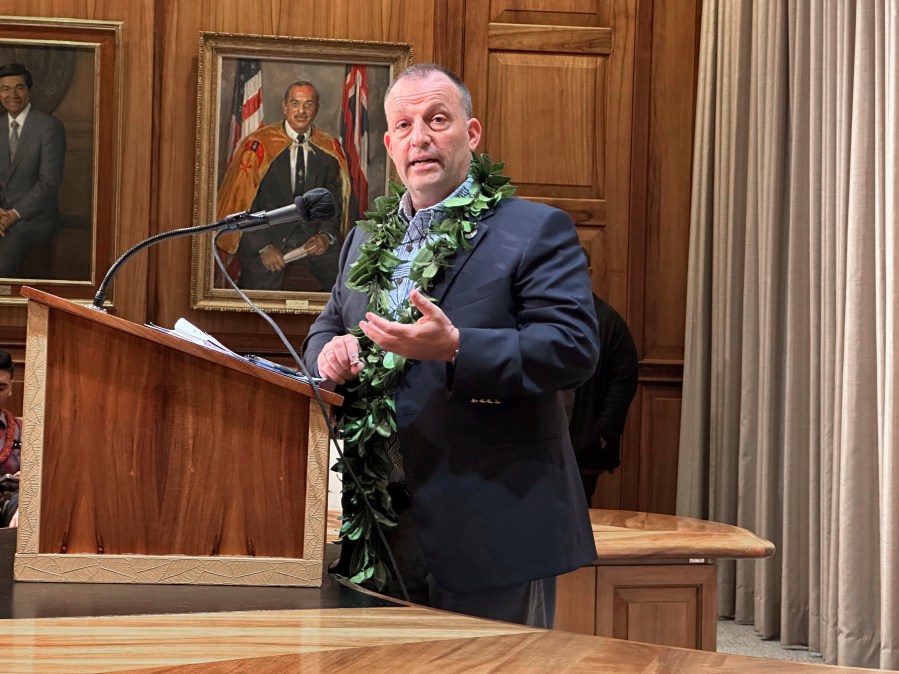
{"x": 332, "y": 434}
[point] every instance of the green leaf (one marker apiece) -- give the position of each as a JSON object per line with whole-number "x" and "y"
{"x": 387, "y": 260}
{"x": 423, "y": 256}
{"x": 393, "y": 361}
{"x": 457, "y": 202}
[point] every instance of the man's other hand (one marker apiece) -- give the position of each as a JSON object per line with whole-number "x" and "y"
{"x": 339, "y": 359}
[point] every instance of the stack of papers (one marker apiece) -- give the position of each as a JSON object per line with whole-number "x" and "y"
{"x": 187, "y": 330}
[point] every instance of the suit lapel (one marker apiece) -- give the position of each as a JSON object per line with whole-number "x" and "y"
{"x": 282, "y": 175}
{"x": 463, "y": 254}
{"x": 313, "y": 165}
{"x": 4, "y": 148}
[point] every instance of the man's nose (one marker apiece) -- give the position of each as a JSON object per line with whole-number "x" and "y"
{"x": 421, "y": 134}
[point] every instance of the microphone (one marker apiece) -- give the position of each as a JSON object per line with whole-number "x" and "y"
{"x": 316, "y": 204}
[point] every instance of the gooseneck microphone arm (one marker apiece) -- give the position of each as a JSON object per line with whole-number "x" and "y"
{"x": 316, "y": 204}
{"x": 100, "y": 297}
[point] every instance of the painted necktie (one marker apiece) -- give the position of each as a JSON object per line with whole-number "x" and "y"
{"x": 299, "y": 179}
{"x": 13, "y": 139}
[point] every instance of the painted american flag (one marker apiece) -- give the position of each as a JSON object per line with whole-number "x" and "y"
{"x": 354, "y": 137}
{"x": 246, "y": 114}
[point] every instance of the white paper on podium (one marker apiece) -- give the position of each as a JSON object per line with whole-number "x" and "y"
{"x": 187, "y": 330}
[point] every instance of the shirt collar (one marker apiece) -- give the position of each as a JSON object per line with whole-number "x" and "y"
{"x": 293, "y": 135}
{"x": 22, "y": 115}
{"x": 462, "y": 190}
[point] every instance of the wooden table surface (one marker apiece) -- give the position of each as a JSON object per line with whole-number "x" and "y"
{"x": 328, "y": 629}
{"x": 626, "y": 534}
{"x": 343, "y": 640}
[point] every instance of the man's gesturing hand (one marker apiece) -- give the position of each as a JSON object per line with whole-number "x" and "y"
{"x": 431, "y": 337}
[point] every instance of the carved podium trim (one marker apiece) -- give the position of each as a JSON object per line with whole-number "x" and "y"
{"x": 33, "y": 429}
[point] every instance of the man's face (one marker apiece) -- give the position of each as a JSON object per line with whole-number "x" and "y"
{"x": 14, "y": 94}
{"x": 428, "y": 137}
{"x": 300, "y": 108}
{"x": 5, "y": 388}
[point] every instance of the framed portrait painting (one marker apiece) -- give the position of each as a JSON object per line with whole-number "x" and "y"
{"x": 59, "y": 135}
{"x": 278, "y": 117}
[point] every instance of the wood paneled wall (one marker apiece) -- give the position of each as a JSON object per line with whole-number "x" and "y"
{"x": 590, "y": 103}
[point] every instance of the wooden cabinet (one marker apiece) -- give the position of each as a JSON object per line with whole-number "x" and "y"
{"x": 655, "y": 579}
{"x": 665, "y": 604}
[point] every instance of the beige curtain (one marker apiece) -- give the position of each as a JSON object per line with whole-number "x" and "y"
{"x": 789, "y": 418}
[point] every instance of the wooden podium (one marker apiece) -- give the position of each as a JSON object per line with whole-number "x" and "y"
{"x": 149, "y": 459}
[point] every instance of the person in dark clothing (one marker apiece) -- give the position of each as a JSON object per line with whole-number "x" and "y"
{"x": 10, "y": 446}
{"x": 599, "y": 406}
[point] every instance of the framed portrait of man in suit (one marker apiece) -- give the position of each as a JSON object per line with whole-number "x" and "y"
{"x": 59, "y": 123}
{"x": 279, "y": 118}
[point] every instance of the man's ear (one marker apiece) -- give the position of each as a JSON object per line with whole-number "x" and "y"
{"x": 387, "y": 140}
{"x": 474, "y": 133}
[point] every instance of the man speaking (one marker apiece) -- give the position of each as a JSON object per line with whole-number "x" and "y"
{"x": 455, "y": 403}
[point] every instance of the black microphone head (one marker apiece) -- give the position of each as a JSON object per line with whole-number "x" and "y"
{"x": 316, "y": 204}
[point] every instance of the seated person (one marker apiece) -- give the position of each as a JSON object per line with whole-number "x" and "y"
{"x": 10, "y": 445}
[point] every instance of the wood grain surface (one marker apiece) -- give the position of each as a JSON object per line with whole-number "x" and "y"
{"x": 338, "y": 640}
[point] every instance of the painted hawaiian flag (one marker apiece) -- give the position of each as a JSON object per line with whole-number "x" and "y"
{"x": 354, "y": 137}
{"x": 246, "y": 115}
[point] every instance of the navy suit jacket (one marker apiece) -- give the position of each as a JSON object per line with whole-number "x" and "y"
{"x": 495, "y": 489}
{"x": 30, "y": 184}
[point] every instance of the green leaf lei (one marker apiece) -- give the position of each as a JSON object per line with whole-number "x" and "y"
{"x": 369, "y": 411}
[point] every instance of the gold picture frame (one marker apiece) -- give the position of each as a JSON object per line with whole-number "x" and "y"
{"x": 350, "y": 78}
{"x": 76, "y": 69}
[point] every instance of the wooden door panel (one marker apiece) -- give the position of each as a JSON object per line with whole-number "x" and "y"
{"x": 659, "y": 445}
{"x": 542, "y": 120}
{"x": 670, "y": 605}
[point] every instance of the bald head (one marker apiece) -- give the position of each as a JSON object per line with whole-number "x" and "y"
{"x": 421, "y": 71}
